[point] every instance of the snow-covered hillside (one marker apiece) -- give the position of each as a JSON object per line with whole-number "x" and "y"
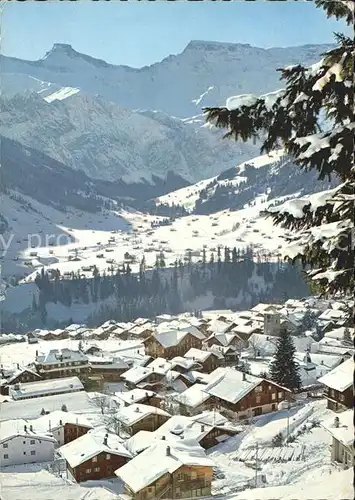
{"x": 268, "y": 177}
{"x": 188, "y": 196}
{"x": 176, "y": 84}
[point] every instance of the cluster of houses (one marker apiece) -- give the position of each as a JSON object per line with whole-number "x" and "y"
{"x": 192, "y": 384}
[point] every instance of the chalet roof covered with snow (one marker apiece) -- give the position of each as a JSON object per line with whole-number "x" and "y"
{"x": 131, "y": 414}
{"x": 332, "y": 314}
{"x": 43, "y": 387}
{"x": 141, "y": 321}
{"x": 247, "y": 329}
{"x": 160, "y": 459}
{"x": 175, "y": 324}
{"x": 20, "y": 371}
{"x": 180, "y": 427}
{"x": 341, "y": 377}
{"x": 139, "y": 330}
{"x": 22, "y": 428}
{"x": 173, "y": 337}
{"x": 200, "y": 355}
{"x": 160, "y": 365}
{"x": 136, "y": 374}
{"x": 74, "y": 326}
{"x": 216, "y": 325}
{"x": 344, "y": 430}
{"x": 184, "y": 362}
{"x": 223, "y": 338}
{"x": 58, "y": 418}
{"x": 92, "y": 444}
{"x": 229, "y": 384}
{"x": 108, "y": 362}
{"x": 58, "y": 356}
{"x": 193, "y": 396}
{"x": 337, "y": 333}
{"x": 269, "y": 308}
{"x": 134, "y": 396}
{"x": 78, "y": 402}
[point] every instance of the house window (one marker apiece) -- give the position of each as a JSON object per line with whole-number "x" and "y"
{"x": 94, "y": 459}
{"x": 5, "y": 445}
{"x": 259, "y": 388}
{"x": 342, "y": 397}
{"x": 97, "y": 469}
{"x": 24, "y": 453}
{"x": 332, "y": 393}
{"x": 108, "y": 456}
{"x": 273, "y": 396}
{"x": 33, "y": 452}
{"x": 180, "y": 476}
{"x": 258, "y": 399}
{"x": 280, "y": 395}
{"x": 32, "y": 441}
{"x": 6, "y": 456}
{"x": 88, "y": 471}
{"x": 193, "y": 475}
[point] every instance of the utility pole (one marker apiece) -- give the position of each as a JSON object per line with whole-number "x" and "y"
{"x": 288, "y": 421}
{"x": 256, "y": 465}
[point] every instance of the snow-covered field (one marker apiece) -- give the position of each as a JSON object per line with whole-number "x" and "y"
{"x": 75, "y": 241}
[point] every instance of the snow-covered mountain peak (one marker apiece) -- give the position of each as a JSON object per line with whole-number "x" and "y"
{"x": 205, "y": 45}
{"x": 174, "y": 85}
{"x": 63, "y": 55}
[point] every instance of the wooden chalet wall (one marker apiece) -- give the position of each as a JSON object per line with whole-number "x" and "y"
{"x": 99, "y": 467}
{"x": 338, "y": 401}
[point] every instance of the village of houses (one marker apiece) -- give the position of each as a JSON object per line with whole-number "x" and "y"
{"x": 178, "y": 407}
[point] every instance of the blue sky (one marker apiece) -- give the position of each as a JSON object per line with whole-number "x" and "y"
{"x": 138, "y": 34}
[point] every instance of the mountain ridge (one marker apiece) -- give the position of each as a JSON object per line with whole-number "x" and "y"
{"x": 169, "y": 85}
{"x": 197, "y": 44}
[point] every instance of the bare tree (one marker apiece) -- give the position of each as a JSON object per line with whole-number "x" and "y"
{"x": 255, "y": 345}
{"x": 114, "y": 424}
{"x": 102, "y": 402}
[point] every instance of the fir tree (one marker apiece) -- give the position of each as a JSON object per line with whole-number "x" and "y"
{"x": 204, "y": 258}
{"x": 34, "y": 303}
{"x": 284, "y": 370}
{"x": 312, "y": 119}
{"x": 309, "y": 320}
{"x": 161, "y": 260}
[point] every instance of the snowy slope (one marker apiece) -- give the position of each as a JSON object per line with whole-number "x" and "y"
{"x": 176, "y": 84}
{"x": 188, "y": 196}
{"x": 13, "y": 84}
{"x": 267, "y": 177}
